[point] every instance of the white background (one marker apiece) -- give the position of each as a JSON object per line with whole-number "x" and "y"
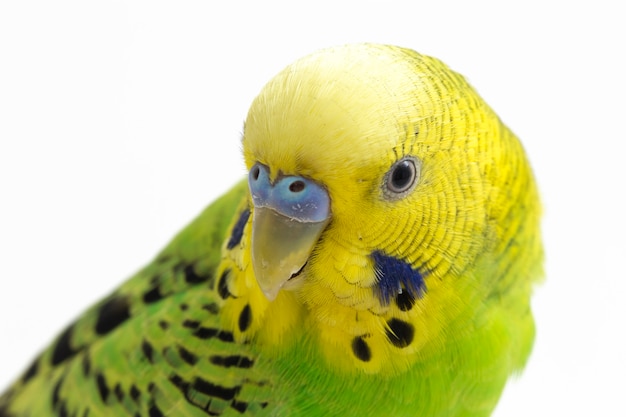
{"x": 120, "y": 121}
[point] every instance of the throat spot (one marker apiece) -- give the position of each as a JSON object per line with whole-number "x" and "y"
{"x": 400, "y": 333}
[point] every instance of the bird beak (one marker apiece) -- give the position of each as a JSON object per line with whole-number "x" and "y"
{"x": 290, "y": 214}
{"x": 281, "y": 246}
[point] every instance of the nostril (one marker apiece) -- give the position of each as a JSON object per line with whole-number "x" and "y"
{"x": 296, "y": 186}
{"x": 254, "y": 172}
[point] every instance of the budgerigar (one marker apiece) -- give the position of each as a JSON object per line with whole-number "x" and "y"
{"x": 377, "y": 261}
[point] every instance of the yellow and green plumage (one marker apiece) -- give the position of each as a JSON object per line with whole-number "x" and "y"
{"x": 379, "y": 260}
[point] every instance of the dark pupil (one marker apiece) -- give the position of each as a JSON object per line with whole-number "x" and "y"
{"x": 402, "y": 175}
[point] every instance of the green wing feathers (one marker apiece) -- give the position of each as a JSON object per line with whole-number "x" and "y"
{"x": 140, "y": 350}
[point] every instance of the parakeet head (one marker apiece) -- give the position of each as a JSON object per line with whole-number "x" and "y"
{"x": 387, "y": 198}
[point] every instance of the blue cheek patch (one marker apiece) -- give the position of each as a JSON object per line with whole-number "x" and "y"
{"x": 237, "y": 233}
{"x": 295, "y": 197}
{"x": 395, "y": 276}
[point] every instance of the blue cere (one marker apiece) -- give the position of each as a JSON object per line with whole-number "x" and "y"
{"x": 296, "y": 197}
{"x": 237, "y": 233}
{"x": 395, "y": 275}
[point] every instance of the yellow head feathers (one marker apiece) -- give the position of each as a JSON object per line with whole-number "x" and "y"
{"x": 346, "y": 118}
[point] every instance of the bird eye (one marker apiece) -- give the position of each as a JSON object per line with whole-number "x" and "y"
{"x": 402, "y": 177}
